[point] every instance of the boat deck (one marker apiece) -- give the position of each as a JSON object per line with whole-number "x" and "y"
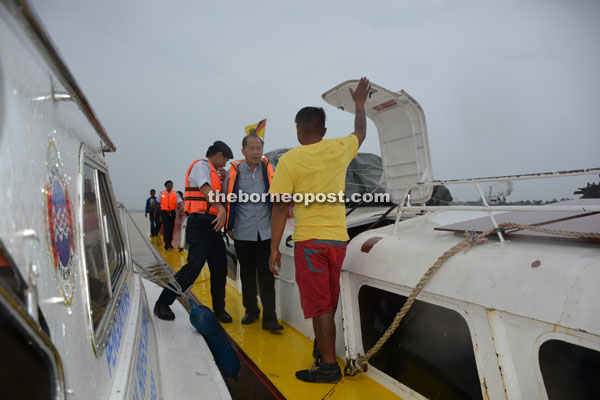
{"x": 278, "y": 355}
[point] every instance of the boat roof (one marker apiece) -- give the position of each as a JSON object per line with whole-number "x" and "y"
{"x": 28, "y": 19}
{"x": 545, "y": 279}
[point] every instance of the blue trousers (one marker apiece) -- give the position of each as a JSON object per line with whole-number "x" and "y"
{"x": 154, "y": 224}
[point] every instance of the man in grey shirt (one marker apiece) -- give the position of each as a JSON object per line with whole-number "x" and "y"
{"x": 249, "y": 224}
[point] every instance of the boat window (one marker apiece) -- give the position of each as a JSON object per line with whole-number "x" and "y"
{"x": 27, "y": 356}
{"x": 356, "y": 230}
{"x": 569, "y": 371}
{"x": 94, "y": 254}
{"x": 431, "y": 351}
{"x": 22, "y": 363}
{"x": 114, "y": 244}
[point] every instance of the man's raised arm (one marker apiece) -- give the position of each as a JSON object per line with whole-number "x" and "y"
{"x": 359, "y": 95}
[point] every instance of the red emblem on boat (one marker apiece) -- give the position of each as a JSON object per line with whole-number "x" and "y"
{"x": 61, "y": 226}
{"x": 60, "y": 233}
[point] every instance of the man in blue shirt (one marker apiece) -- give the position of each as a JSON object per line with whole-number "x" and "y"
{"x": 151, "y": 208}
{"x": 249, "y": 224}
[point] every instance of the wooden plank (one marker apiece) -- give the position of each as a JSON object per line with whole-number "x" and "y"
{"x": 519, "y": 217}
{"x": 575, "y": 221}
{"x": 588, "y": 224}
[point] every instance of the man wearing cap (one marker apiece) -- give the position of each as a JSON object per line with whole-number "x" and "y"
{"x": 203, "y": 232}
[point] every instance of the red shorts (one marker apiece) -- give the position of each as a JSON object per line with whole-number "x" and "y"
{"x": 318, "y": 266}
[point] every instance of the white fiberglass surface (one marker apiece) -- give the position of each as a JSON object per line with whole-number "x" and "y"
{"x": 402, "y": 130}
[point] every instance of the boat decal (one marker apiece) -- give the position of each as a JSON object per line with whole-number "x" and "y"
{"x": 385, "y": 105}
{"x": 113, "y": 342}
{"x": 141, "y": 364}
{"x": 369, "y": 243}
{"x": 60, "y": 234}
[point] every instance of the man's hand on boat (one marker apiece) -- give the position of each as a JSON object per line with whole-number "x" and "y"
{"x": 360, "y": 94}
{"x": 275, "y": 258}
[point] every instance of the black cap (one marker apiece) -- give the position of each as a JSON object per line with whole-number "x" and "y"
{"x": 223, "y": 148}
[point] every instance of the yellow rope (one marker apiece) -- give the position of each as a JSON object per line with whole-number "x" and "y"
{"x": 471, "y": 239}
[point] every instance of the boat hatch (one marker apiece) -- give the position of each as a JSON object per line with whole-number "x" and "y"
{"x": 400, "y": 123}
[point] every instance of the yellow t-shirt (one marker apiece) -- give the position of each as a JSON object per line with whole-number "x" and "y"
{"x": 317, "y": 169}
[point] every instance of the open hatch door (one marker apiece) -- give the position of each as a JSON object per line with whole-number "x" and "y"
{"x": 400, "y": 123}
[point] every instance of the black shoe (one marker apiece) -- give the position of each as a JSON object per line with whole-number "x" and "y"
{"x": 223, "y": 316}
{"x": 324, "y": 373}
{"x": 163, "y": 311}
{"x": 317, "y": 354}
{"x": 271, "y": 325}
{"x": 250, "y": 317}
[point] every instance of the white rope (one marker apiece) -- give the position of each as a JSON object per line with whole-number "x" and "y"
{"x": 159, "y": 273}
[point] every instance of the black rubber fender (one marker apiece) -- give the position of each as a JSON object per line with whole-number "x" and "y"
{"x": 205, "y": 321}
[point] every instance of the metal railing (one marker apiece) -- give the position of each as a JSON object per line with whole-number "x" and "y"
{"x": 405, "y": 205}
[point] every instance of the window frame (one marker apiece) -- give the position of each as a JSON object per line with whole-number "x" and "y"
{"x": 119, "y": 231}
{"x": 581, "y": 339}
{"x": 15, "y": 312}
{"x": 99, "y": 335}
{"x": 429, "y": 299}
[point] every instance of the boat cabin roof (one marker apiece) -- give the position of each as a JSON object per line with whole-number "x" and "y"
{"x": 22, "y": 13}
{"x": 554, "y": 281}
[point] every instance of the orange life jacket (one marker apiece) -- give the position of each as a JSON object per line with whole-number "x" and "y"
{"x": 168, "y": 201}
{"x": 195, "y": 202}
{"x": 231, "y": 184}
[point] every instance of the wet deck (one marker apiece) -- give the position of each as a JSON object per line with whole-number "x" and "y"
{"x": 278, "y": 355}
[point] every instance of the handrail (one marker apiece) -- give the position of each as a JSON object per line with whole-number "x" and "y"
{"x": 404, "y": 205}
{"x": 520, "y": 177}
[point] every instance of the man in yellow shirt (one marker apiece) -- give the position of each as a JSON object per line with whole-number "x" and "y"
{"x": 316, "y": 172}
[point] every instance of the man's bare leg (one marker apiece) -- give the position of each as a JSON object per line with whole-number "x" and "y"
{"x": 328, "y": 370}
{"x": 324, "y": 326}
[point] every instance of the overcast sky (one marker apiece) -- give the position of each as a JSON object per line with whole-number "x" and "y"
{"x": 507, "y": 86}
